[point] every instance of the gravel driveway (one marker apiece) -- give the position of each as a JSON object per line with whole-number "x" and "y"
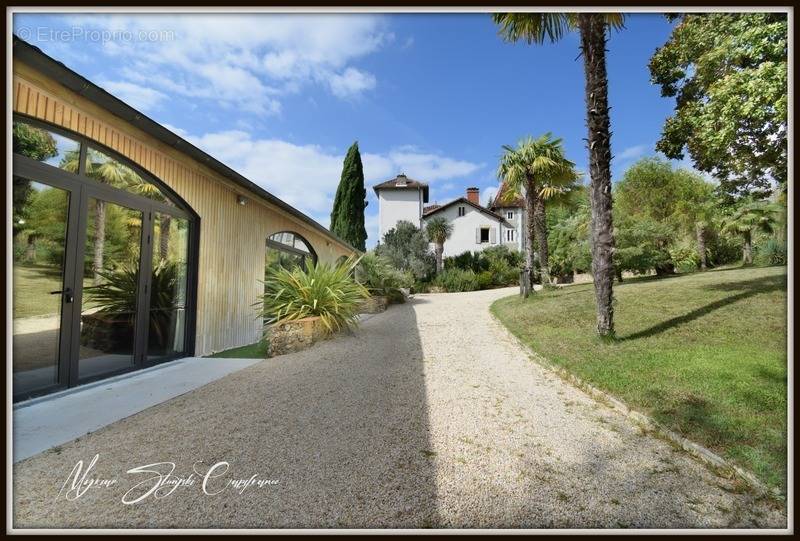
{"x": 428, "y": 416}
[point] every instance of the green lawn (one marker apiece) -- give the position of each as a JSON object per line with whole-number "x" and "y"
{"x": 253, "y": 351}
{"x": 32, "y": 285}
{"x": 704, "y": 354}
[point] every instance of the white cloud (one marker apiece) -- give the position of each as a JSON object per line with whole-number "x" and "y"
{"x": 139, "y": 97}
{"x": 430, "y": 167}
{"x": 306, "y": 176}
{"x": 242, "y": 61}
{"x": 633, "y": 152}
{"x": 351, "y": 83}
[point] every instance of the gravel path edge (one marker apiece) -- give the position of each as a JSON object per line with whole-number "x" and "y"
{"x": 711, "y": 459}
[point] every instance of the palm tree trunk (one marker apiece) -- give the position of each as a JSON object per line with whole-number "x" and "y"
{"x": 540, "y": 226}
{"x": 747, "y": 248}
{"x": 99, "y": 239}
{"x": 530, "y": 213}
{"x": 163, "y": 240}
{"x": 439, "y": 252}
{"x": 700, "y": 228}
{"x": 593, "y": 46}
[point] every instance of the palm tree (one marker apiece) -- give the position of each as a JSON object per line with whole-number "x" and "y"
{"x": 536, "y": 27}
{"x": 750, "y": 217}
{"x": 537, "y": 168}
{"x": 108, "y": 172}
{"x": 438, "y": 230}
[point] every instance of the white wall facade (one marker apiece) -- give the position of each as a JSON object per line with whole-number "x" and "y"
{"x": 466, "y": 230}
{"x": 396, "y": 205}
{"x": 517, "y": 221}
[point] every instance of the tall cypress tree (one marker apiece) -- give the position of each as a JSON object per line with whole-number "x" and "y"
{"x": 347, "y": 216}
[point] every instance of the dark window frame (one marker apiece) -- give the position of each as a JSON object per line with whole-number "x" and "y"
{"x": 280, "y": 246}
{"x": 33, "y": 169}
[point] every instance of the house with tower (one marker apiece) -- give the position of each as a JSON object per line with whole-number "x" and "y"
{"x": 475, "y": 227}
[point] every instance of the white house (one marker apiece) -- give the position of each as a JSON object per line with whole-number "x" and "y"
{"x": 400, "y": 198}
{"x": 475, "y": 227}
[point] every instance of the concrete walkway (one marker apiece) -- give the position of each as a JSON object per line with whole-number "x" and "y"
{"x": 43, "y": 423}
{"x": 428, "y": 416}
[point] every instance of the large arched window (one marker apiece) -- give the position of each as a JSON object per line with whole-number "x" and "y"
{"x": 288, "y": 249}
{"x": 104, "y": 265}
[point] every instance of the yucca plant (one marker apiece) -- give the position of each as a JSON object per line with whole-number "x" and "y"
{"x": 327, "y": 291}
{"x": 379, "y": 277}
{"x": 116, "y": 294}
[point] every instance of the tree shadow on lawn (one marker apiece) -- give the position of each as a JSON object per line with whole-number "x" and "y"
{"x": 747, "y": 289}
{"x": 343, "y": 426}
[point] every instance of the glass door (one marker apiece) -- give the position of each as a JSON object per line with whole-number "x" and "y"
{"x": 111, "y": 288}
{"x": 44, "y": 230}
{"x": 101, "y": 276}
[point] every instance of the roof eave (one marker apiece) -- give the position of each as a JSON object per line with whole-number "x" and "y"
{"x": 36, "y": 58}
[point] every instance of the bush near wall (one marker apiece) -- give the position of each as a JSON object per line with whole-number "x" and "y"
{"x": 494, "y": 267}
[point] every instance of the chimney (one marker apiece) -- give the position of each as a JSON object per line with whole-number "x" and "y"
{"x": 402, "y": 180}
{"x": 474, "y": 195}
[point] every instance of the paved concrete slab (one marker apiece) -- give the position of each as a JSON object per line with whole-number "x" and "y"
{"x": 43, "y": 423}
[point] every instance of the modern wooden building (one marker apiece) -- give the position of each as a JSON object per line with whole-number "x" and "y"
{"x": 131, "y": 245}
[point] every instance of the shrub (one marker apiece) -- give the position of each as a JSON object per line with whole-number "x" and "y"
{"x": 771, "y": 252}
{"x": 685, "y": 257}
{"x": 327, "y": 291}
{"x": 454, "y": 280}
{"x": 472, "y": 261}
{"x": 379, "y": 277}
{"x": 421, "y": 287}
{"x": 486, "y": 280}
{"x": 495, "y": 254}
{"x": 503, "y": 274}
{"x": 723, "y": 249}
{"x": 406, "y": 247}
{"x": 499, "y": 257}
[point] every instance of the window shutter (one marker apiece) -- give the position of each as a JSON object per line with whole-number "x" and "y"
{"x": 477, "y": 235}
{"x": 492, "y": 236}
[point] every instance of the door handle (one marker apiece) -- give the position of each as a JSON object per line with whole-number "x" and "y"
{"x": 67, "y": 292}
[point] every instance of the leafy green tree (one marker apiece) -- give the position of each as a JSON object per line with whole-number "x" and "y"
{"x": 678, "y": 199}
{"x": 593, "y": 29}
{"x": 347, "y": 216}
{"x": 697, "y": 210}
{"x": 750, "y": 217}
{"x": 407, "y": 248}
{"x": 538, "y": 169}
{"x": 35, "y": 144}
{"x": 569, "y": 244}
{"x": 728, "y": 74}
{"x": 438, "y": 230}
{"x": 643, "y": 244}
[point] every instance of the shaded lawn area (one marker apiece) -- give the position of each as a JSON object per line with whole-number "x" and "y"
{"x": 704, "y": 354}
{"x": 252, "y": 351}
{"x": 32, "y": 285}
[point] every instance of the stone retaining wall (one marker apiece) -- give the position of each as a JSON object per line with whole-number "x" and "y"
{"x": 291, "y": 336}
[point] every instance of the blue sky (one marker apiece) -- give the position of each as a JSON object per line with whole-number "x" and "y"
{"x": 280, "y": 98}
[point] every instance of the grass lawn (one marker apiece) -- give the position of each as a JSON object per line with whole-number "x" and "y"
{"x": 32, "y": 285}
{"x": 253, "y": 351}
{"x": 704, "y": 354}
